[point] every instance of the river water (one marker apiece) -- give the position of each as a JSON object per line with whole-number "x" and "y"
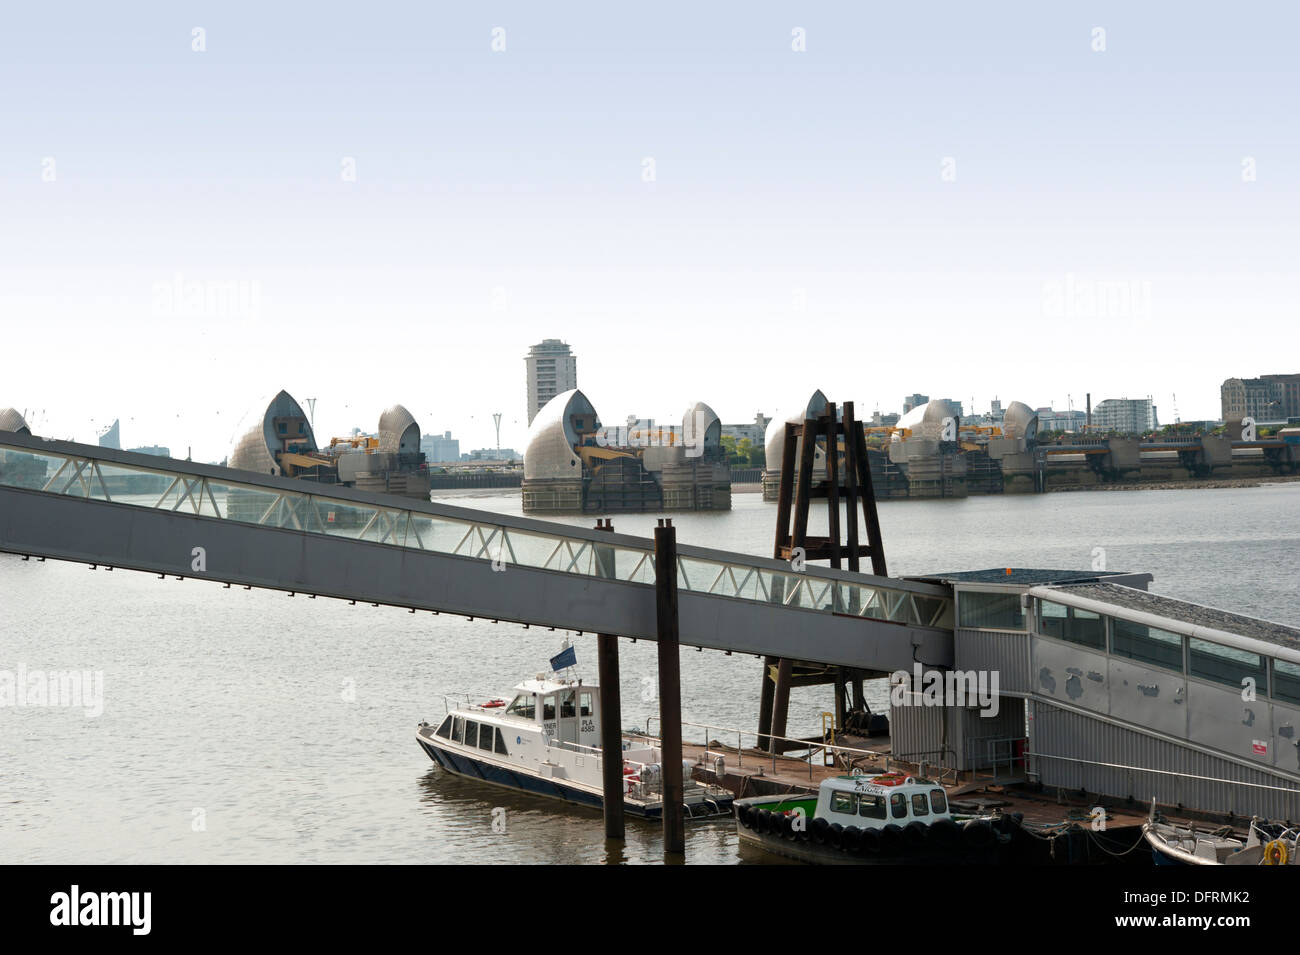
{"x": 248, "y": 726}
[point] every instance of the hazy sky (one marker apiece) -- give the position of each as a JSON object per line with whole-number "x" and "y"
{"x": 959, "y": 199}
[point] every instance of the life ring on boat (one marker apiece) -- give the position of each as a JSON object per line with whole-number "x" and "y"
{"x": 1275, "y": 853}
{"x": 492, "y": 704}
{"x": 890, "y": 779}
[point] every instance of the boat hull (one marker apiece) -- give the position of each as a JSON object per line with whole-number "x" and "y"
{"x": 810, "y": 845}
{"x": 462, "y": 765}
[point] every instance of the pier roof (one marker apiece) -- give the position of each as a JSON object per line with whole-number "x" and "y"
{"x": 1020, "y": 576}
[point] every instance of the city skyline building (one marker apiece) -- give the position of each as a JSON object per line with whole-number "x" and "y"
{"x": 1125, "y": 415}
{"x": 1266, "y": 398}
{"x": 552, "y": 369}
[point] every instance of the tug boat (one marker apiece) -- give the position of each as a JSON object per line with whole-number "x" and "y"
{"x": 546, "y": 740}
{"x": 881, "y": 819}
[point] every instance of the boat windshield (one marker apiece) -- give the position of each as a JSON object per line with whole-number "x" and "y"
{"x": 524, "y": 705}
{"x": 872, "y": 807}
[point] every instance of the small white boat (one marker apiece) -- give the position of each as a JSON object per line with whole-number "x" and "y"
{"x": 1265, "y": 844}
{"x": 546, "y": 740}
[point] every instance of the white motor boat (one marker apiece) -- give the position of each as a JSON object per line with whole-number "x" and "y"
{"x": 546, "y": 740}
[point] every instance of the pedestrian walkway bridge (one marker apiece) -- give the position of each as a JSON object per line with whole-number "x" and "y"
{"x": 121, "y": 509}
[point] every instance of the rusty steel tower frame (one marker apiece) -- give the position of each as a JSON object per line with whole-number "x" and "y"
{"x": 793, "y": 543}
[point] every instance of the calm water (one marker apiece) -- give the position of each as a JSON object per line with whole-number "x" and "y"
{"x": 282, "y": 729}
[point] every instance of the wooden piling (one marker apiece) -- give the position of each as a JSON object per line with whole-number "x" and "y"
{"x": 670, "y": 688}
{"x": 611, "y": 718}
{"x": 611, "y": 735}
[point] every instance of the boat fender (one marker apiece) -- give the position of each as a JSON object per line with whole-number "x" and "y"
{"x": 945, "y": 833}
{"x": 870, "y": 841}
{"x": 787, "y": 827}
{"x": 978, "y": 834}
{"x": 761, "y": 817}
{"x": 820, "y": 829}
{"x": 852, "y": 839}
{"x": 835, "y": 836}
{"x": 891, "y": 838}
{"x": 914, "y": 834}
{"x": 742, "y": 813}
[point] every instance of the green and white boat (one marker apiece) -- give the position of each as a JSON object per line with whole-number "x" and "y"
{"x": 874, "y": 819}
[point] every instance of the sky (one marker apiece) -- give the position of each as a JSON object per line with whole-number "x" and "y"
{"x": 368, "y": 204}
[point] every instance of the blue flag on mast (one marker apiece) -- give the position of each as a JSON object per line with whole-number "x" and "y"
{"x": 567, "y": 657}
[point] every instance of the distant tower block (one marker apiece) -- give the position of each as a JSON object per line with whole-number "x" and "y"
{"x": 552, "y": 370}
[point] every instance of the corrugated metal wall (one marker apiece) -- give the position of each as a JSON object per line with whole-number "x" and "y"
{"x": 1004, "y": 653}
{"x": 918, "y": 732}
{"x": 1060, "y": 732}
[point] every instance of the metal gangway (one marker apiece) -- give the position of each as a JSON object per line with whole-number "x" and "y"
{"x": 116, "y": 508}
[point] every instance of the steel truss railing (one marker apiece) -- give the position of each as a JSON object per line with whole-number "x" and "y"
{"x": 304, "y": 511}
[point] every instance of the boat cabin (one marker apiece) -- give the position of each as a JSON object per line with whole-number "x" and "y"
{"x": 873, "y": 802}
{"x": 566, "y": 711}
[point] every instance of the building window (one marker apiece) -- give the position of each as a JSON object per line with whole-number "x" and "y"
{"x": 1226, "y": 665}
{"x": 991, "y": 611}
{"x": 1072, "y": 625}
{"x": 1145, "y": 644}
{"x": 1286, "y": 681}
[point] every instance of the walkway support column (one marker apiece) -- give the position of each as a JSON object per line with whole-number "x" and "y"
{"x": 670, "y": 687}
{"x": 611, "y": 711}
{"x": 611, "y": 735}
